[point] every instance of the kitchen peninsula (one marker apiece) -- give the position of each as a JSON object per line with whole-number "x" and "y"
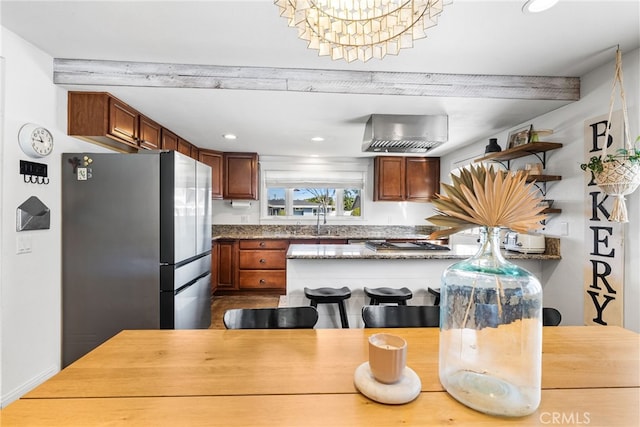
{"x": 357, "y": 266}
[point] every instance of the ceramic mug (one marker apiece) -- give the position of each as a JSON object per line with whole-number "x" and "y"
{"x": 387, "y": 357}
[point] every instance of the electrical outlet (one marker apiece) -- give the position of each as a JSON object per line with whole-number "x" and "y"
{"x": 564, "y": 228}
{"x": 23, "y": 245}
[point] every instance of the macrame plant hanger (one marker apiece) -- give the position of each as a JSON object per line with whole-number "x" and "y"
{"x": 619, "y": 177}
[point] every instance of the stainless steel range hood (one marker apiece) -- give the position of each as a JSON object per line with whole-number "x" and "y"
{"x": 391, "y": 133}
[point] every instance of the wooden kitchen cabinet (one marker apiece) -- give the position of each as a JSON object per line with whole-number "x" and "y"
{"x": 318, "y": 241}
{"x": 422, "y": 179}
{"x": 184, "y": 147}
{"x": 414, "y": 179}
{"x": 169, "y": 140}
{"x": 389, "y": 178}
{"x": 240, "y": 176}
{"x": 123, "y": 121}
{"x": 150, "y": 133}
{"x": 226, "y": 265}
{"x": 101, "y": 118}
{"x": 215, "y": 254}
{"x": 262, "y": 265}
{"x": 195, "y": 152}
{"x": 213, "y": 159}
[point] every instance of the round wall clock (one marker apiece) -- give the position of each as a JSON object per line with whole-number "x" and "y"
{"x": 35, "y": 140}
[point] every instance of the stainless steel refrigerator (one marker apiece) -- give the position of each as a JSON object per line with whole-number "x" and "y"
{"x": 136, "y": 246}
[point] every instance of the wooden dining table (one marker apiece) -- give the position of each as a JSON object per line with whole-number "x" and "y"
{"x": 305, "y": 377}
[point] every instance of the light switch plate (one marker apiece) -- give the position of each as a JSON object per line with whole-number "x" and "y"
{"x": 23, "y": 244}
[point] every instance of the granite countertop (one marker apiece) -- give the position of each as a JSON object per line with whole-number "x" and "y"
{"x": 330, "y": 232}
{"x": 359, "y": 251}
{"x": 363, "y": 232}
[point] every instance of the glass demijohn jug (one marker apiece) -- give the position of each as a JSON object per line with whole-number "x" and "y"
{"x": 491, "y": 332}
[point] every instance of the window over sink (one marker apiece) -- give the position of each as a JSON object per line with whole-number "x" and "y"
{"x": 309, "y": 202}
{"x": 302, "y": 192}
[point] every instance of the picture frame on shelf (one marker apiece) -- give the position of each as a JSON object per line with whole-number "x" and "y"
{"x": 520, "y": 137}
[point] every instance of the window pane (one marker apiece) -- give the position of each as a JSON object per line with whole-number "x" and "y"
{"x": 276, "y": 202}
{"x": 351, "y": 202}
{"x": 308, "y": 201}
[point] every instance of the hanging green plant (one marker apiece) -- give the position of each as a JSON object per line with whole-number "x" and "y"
{"x": 617, "y": 174}
{"x": 596, "y": 163}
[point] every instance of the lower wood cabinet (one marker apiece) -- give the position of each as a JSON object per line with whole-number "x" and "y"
{"x": 262, "y": 265}
{"x": 254, "y": 265}
{"x": 227, "y": 254}
{"x": 318, "y": 242}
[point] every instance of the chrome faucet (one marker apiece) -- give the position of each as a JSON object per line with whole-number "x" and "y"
{"x": 324, "y": 214}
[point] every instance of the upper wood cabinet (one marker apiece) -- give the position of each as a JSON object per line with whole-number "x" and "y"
{"x": 150, "y": 133}
{"x": 240, "y": 176}
{"x": 123, "y": 121}
{"x": 184, "y": 147}
{"x": 101, "y": 118}
{"x": 213, "y": 159}
{"x": 414, "y": 179}
{"x": 389, "y": 182}
{"x": 104, "y": 119}
{"x": 195, "y": 152}
{"x": 169, "y": 140}
{"x": 422, "y": 178}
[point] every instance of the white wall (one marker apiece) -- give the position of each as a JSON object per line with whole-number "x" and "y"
{"x": 30, "y": 283}
{"x": 564, "y": 280}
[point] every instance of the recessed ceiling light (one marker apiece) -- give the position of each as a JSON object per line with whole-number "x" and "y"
{"x": 229, "y": 136}
{"x": 317, "y": 139}
{"x": 535, "y": 6}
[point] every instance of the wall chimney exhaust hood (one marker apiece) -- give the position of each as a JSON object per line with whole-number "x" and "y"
{"x": 401, "y": 133}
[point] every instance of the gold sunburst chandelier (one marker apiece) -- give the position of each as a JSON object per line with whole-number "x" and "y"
{"x": 360, "y": 29}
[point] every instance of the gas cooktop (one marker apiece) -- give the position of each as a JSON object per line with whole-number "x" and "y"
{"x": 404, "y": 246}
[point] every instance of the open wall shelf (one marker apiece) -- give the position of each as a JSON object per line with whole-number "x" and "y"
{"x": 532, "y": 148}
{"x": 538, "y": 149}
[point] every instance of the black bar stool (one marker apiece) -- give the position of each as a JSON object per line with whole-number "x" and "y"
{"x": 388, "y": 295}
{"x": 330, "y": 296}
{"x": 436, "y": 295}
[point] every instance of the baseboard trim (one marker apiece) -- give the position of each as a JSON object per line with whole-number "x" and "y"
{"x": 20, "y": 391}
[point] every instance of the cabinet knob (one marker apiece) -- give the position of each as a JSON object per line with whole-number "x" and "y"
{"x": 262, "y": 281}
{"x": 262, "y": 260}
{"x": 262, "y": 244}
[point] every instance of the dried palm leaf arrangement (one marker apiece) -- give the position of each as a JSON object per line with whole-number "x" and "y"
{"x": 484, "y": 197}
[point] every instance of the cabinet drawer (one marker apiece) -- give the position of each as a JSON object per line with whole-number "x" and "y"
{"x": 257, "y": 279}
{"x": 262, "y": 260}
{"x": 264, "y": 244}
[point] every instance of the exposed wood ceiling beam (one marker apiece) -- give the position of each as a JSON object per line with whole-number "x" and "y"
{"x": 146, "y": 74}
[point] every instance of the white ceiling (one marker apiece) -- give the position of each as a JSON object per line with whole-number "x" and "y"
{"x": 472, "y": 37}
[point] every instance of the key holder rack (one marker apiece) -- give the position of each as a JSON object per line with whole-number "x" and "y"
{"x": 34, "y": 173}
